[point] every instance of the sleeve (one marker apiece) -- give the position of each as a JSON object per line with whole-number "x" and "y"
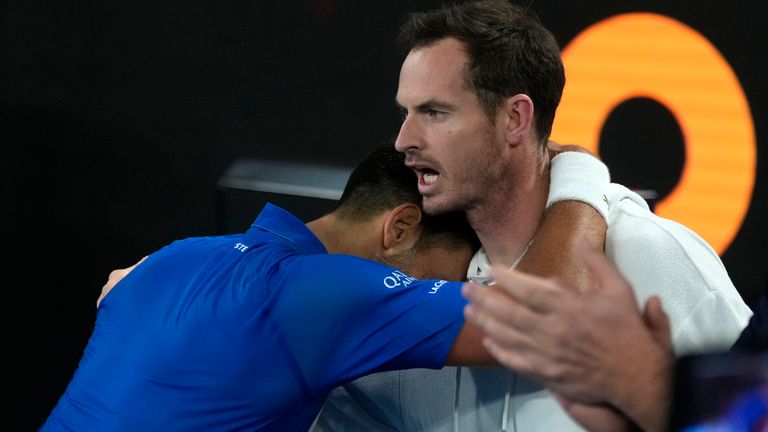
{"x": 663, "y": 258}
{"x": 755, "y": 335}
{"x": 358, "y": 317}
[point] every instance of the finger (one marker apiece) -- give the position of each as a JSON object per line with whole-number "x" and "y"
{"x": 115, "y": 276}
{"x": 576, "y": 148}
{"x": 562, "y": 284}
{"x": 104, "y": 290}
{"x": 490, "y": 324}
{"x": 496, "y": 313}
{"x": 536, "y": 293}
{"x": 604, "y": 270}
{"x": 530, "y": 363}
{"x": 563, "y": 400}
{"x": 135, "y": 265}
{"x": 526, "y": 351}
{"x": 119, "y": 274}
{"x": 512, "y": 336}
{"x": 553, "y": 148}
{"x": 492, "y": 301}
{"x": 508, "y": 357}
{"x": 553, "y": 143}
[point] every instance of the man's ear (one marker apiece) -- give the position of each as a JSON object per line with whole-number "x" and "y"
{"x": 402, "y": 228}
{"x": 517, "y": 112}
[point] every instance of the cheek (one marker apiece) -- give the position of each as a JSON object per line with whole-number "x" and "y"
{"x": 460, "y": 141}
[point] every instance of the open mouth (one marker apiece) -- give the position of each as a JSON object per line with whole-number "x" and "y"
{"x": 427, "y": 176}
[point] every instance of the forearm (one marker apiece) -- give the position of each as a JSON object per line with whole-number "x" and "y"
{"x": 647, "y": 396}
{"x": 567, "y": 227}
{"x": 574, "y": 219}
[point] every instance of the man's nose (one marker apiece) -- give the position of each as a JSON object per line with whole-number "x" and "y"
{"x": 408, "y": 137}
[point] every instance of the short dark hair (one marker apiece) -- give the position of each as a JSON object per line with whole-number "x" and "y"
{"x": 509, "y": 50}
{"x": 381, "y": 182}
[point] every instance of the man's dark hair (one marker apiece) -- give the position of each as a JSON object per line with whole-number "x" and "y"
{"x": 381, "y": 182}
{"x": 509, "y": 51}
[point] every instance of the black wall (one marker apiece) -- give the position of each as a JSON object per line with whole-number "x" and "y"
{"x": 119, "y": 117}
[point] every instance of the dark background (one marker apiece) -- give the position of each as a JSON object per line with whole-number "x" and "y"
{"x": 120, "y": 117}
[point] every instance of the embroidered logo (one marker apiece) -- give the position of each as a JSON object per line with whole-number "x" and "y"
{"x": 398, "y": 278}
{"x": 437, "y": 286}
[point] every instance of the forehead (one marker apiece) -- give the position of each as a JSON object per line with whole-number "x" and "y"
{"x": 435, "y": 71}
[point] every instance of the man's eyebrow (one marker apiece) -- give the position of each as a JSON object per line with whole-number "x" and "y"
{"x": 429, "y": 105}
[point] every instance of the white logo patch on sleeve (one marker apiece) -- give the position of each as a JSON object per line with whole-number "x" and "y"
{"x": 398, "y": 278}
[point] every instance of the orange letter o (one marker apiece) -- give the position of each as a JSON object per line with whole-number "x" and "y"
{"x": 653, "y": 56}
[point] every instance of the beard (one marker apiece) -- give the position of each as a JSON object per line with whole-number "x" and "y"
{"x": 480, "y": 174}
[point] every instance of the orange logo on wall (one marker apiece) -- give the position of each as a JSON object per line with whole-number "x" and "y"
{"x": 653, "y": 56}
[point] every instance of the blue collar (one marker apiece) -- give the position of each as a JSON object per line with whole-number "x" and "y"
{"x": 280, "y": 223}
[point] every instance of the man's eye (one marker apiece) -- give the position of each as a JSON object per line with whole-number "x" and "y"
{"x": 403, "y": 113}
{"x": 434, "y": 113}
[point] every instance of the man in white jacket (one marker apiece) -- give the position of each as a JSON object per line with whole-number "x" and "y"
{"x": 479, "y": 88}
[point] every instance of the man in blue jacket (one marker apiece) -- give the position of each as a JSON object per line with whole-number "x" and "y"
{"x": 251, "y": 331}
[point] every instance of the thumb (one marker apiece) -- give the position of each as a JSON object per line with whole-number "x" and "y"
{"x": 657, "y": 322}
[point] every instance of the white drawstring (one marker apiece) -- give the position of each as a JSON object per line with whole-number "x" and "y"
{"x": 505, "y": 413}
{"x": 479, "y": 272}
{"x": 456, "y": 400}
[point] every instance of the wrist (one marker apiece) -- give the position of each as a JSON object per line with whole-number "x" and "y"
{"x": 577, "y": 176}
{"x": 647, "y": 401}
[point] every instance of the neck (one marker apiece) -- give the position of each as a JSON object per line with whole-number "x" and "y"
{"x": 507, "y": 219}
{"x": 340, "y": 236}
